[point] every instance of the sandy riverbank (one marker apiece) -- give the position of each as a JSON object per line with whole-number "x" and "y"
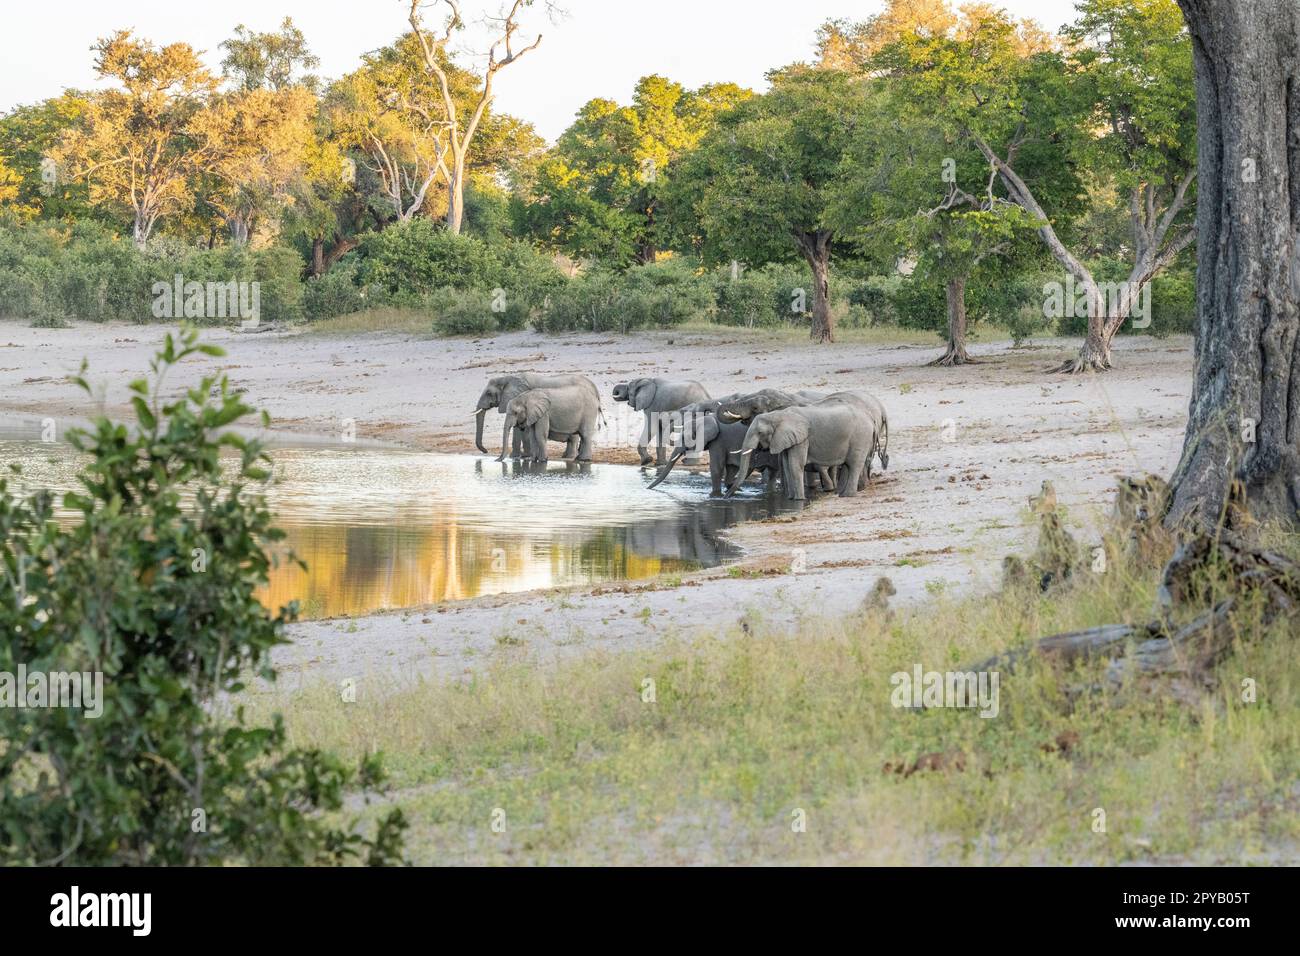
{"x": 968, "y": 446}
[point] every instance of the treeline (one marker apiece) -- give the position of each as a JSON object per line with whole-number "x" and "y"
{"x": 931, "y": 168}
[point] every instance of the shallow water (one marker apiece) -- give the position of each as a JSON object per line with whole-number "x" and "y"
{"x": 383, "y": 528}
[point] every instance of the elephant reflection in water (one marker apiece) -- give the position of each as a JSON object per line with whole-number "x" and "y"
{"x": 692, "y": 532}
{"x": 516, "y": 468}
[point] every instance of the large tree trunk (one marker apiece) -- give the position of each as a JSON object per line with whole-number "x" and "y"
{"x": 1246, "y": 375}
{"x": 456, "y": 197}
{"x": 317, "y": 257}
{"x": 816, "y": 248}
{"x": 955, "y": 354}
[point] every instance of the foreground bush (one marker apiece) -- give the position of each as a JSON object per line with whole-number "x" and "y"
{"x": 154, "y": 588}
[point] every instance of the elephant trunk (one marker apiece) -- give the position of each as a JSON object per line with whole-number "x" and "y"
{"x": 741, "y": 471}
{"x": 478, "y": 430}
{"x": 677, "y": 456}
{"x": 505, "y": 438}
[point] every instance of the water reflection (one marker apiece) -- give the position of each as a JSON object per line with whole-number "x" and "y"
{"x": 390, "y": 529}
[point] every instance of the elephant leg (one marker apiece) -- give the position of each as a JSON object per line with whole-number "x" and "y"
{"x": 586, "y": 443}
{"x": 865, "y": 478}
{"x": 719, "y": 472}
{"x": 517, "y": 443}
{"x": 825, "y": 475}
{"x": 644, "y": 441}
{"x": 849, "y": 477}
{"x": 541, "y": 432}
{"x": 661, "y": 440}
{"x": 793, "y": 462}
{"x": 570, "y": 447}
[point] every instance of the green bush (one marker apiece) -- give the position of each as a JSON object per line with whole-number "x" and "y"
{"x": 154, "y": 588}
{"x": 88, "y": 272}
{"x": 658, "y": 295}
{"x": 335, "y": 293}
{"x": 766, "y": 296}
{"x": 459, "y": 312}
{"x": 419, "y": 257}
{"x": 873, "y": 298}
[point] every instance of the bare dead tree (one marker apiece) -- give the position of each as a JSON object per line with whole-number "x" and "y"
{"x": 460, "y": 130}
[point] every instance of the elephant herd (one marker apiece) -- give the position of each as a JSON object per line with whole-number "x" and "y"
{"x": 829, "y": 438}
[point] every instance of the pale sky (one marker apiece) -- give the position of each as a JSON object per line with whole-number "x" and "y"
{"x": 601, "y": 48}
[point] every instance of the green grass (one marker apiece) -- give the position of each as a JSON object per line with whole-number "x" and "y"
{"x": 746, "y": 733}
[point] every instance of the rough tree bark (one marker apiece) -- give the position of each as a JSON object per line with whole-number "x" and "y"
{"x": 1246, "y": 376}
{"x": 955, "y": 353}
{"x": 816, "y": 249}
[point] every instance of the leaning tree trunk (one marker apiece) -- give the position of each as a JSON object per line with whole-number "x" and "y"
{"x": 1244, "y": 419}
{"x": 816, "y": 248}
{"x": 317, "y": 257}
{"x": 955, "y": 354}
{"x": 456, "y": 197}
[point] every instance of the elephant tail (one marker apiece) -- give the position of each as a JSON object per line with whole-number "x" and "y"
{"x": 882, "y": 442}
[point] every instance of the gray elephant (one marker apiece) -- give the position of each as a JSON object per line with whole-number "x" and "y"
{"x": 719, "y": 439}
{"x": 657, "y": 397}
{"x": 566, "y": 414}
{"x": 878, "y": 416}
{"x": 742, "y": 408}
{"x": 502, "y": 389}
{"x": 828, "y": 434}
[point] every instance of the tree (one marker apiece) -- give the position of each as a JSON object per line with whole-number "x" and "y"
{"x": 29, "y": 136}
{"x": 462, "y": 125}
{"x": 253, "y": 146}
{"x": 912, "y": 187}
{"x": 1243, "y": 426}
{"x": 386, "y": 114}
{"x": 269, "y": 61}
{"x": 759, "y": 186}
{"x": 850, "y": 45}
{"x": 133, "y": 145}
{"x": 1129, "y": 122}
{"x": 606, "y": 180}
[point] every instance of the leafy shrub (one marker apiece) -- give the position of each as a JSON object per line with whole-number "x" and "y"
{"x": 767, "y": 296}
{"x": 88, "y": 272}
{"x": 419, "y": 257}
{"x": 874, "y": 297}
{"x": 459, "y": 312}
{"x": 335, "y": 293}
{"x": 658, "y": 295}
{"x": 154, "y": 587}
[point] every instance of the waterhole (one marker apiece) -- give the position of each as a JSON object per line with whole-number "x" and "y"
{"x": 382, "y": 529}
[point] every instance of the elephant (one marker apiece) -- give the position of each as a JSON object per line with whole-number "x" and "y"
{"x": 656, "y": 397}
{"x": 562, "y": 414}
{"x": 746, "y": 407}
{"x": 502, "y": 389}
{"x": 827, "y": 434}
{"x": 720, "y": 440}
{"x": 742, "y": 408}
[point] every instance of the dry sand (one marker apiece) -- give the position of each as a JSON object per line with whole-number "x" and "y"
{"x": 967, "y": 445}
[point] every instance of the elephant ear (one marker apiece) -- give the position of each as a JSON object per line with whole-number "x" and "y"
{"x": 538, "y": 404}
{"x": 641, "y": 393}
{"x": 790, "y": 430}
